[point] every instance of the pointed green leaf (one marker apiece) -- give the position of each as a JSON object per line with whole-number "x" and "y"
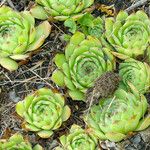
{"x": 60, "y": 60}
{"x": 37, "y": 147}
{"x": 77, "y": 38}
{"x": 19, "y": 57}
{"x": 39, "y": 12}
{"x": 20, "y": 109}
{"x": 77, "y": 95}
{"x": 122, "y": 16}
{"x": 45, "y": 134}
{"x": 9, "y": 64}
{"x": 58, "y": 78}
{"x": 144, "y": 123}
{"x": 115, "y": 137}
{"x": 42, "y": 32}
{"x": 66, "y": 113}
{"x": 31, "y": 127}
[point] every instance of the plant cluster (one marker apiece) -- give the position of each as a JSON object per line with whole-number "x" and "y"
{"x": 17, "y": 142}
{"x": 91, "y": 53}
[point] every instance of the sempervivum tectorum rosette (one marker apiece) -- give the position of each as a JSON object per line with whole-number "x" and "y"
{"x": 19, "y": 36}
{"x": 128, "y": 34}
{"x": 78, "y": 139}
{"x": 115, "y": 117}
{"x": 17, "y": 142}
{"x": 136, "y": 72}
{"x": 83, "y": 62}
{"x": 43, "y": 112}
{"x": 60, "y": 10}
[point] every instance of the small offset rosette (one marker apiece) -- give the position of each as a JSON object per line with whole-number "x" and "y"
{"x": 17, "y": 142}
{"x": 78, "y": 139}
{"x": 43, "y": 112}
{"x": 137, "y": 73}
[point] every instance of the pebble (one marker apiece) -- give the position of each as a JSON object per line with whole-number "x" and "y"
{"x": 13, "y": 96}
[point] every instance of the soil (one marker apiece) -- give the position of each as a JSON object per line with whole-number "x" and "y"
{"x": 35, "y": 73}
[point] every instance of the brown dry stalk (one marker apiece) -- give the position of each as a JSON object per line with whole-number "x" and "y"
{"x": 137, "y": 4}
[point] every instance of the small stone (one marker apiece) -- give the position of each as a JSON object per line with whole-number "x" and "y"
{"x": 129, "y": 147}
{"x": 107, "y": 144}
{"x": 53, "y": 144}
{"x": 146, "y": 135}
{"x": 40, "y": 86}
{"x": 136, "y": 139}
{"x": 13, "y": 97}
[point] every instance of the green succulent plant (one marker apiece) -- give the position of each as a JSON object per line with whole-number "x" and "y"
{"x": 115, "y": 117}
{"x": 17, "y": 142}
{"x": 60, "y": 10}
{"x": 43, "y": 112}
{"x": 77, "y": 139}
{"x": 136, "y": 72}
{"x": 88, "y": 24}
{"x": 19, "y": 36}
{"x": 83, "y": 62}
{"x": 148, "y": 55}
{"x": 128, "y": 34}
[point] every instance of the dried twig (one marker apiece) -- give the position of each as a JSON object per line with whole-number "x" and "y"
{"x": 137, "y": 4}
{"x": 3, "y": 2}
{"x": 90, "y": 105}
{"x": 10, "y": 3}
{"x": 40, "y": 78}
{"x": 58, "y": 28}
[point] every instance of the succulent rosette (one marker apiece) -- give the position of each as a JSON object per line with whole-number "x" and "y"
{"x": 83, "y": 62}
{"x": 19, "y": 36}
{"x": 128, "y": 34}
{"x": 43, "y": 112}
{"x": 135, "y": 72}
{"x": 17, "y": 142}
{"x": 119, "y": 115}
{"x": 60, "y": 10}
{"x": 77, "y": 139}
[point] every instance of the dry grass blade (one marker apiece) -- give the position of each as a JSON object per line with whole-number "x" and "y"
{"x": 137, "y": 4}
